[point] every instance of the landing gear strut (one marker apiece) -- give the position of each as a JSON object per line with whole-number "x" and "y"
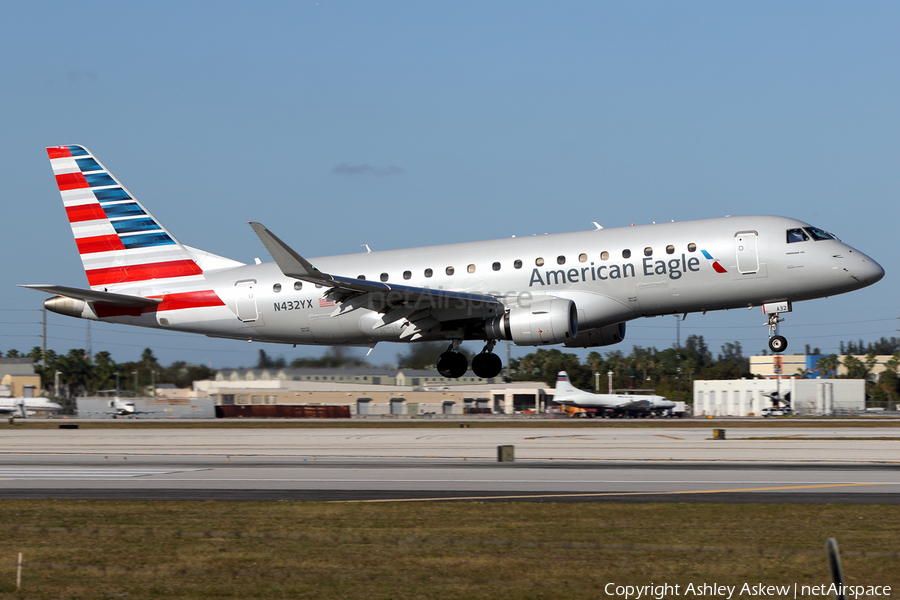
{"x": 487, "y": 364}
{"x": 777, "y": 343}
{"x": 452, "y": 364}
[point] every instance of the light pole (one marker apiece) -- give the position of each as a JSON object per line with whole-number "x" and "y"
{"x": 610, "y": 376}
{"x": 56, "y": 383}
{"x": 135, "y": 383}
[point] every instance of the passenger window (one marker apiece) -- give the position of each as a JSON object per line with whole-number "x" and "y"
{"x": 358, "y": 277}
{"x": 582, "y": 258}
{"x": 796, "y": 235}
{"x": 692, "y": 247}
{"x": 560, "y": 260}
{"x": 470, "y": 268}
{"x": 539, "y": 262}
{"x": 407, "y": 274}
{"x": 517, "y": 264}
{"x": 384, "y": 276}
{"x": 276, "y": 288}
{"x": 670, "y": 249}
{"x": 449, "y": 270}
{"x": 428, "y": 272}
{"x": 626, "y": 253}
{"x": 604, "y": 255}
{"x": 298, "y": 285}
{"x": 496, "y": 266}
{"x": 648, "y": 251}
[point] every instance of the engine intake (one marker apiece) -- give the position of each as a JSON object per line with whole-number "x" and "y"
{"x": 548, "y": 321}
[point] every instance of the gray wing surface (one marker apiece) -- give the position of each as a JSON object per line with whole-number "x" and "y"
{"x": 426, "y": 308}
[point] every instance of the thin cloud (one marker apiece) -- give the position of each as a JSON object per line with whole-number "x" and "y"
{"x": 348, "y": 169}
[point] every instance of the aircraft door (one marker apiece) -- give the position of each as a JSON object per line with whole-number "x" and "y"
{"x": 246, "y": 301}
{"x": 747, "y": 255}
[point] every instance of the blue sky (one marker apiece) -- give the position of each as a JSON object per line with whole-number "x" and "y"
{"x": 400, "y": 124}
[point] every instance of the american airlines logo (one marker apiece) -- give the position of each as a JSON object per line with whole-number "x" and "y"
{"x": 673, "y": 268}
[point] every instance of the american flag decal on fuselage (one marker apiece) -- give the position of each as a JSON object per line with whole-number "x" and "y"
{"x": 122, "y": 246}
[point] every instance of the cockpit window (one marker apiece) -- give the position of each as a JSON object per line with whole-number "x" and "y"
{"x": 818, "y": 234}
{"x": 796, "y": 235}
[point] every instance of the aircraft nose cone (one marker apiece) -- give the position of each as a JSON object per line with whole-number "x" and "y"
{"x": 870, "y": 271}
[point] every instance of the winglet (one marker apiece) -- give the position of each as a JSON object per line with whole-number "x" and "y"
{"x": 290, "y": 263}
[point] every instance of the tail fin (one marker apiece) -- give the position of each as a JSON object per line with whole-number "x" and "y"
{"x": 122, "y": 246}
{"x": 563, "y": 389}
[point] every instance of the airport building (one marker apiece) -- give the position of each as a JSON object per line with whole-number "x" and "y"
{"x": 18, "y": 378}
{"x": 364, "y": 376}
{"x": 806, "y": 365}
{"x": 382, "y": 399}
{"x": 807, "y": 397}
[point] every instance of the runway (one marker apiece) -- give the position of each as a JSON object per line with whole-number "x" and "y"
{"x": 847, "y": 465}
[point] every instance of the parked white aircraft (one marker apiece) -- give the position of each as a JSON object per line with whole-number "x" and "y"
{"x": 610, "y": 404}
{"x": 576, "y": 289}
{"x": 22, "y": 406}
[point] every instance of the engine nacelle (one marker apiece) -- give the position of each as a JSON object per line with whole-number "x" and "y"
{"x": 549, "y": 321}
{"x": 602, "y": 336}
{"x": 70, "y": 307}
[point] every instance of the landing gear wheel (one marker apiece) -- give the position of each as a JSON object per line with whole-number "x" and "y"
{"x": 777, "y": 343}
{"x": 452, "y": 364}
{"x": 487, "y": 365}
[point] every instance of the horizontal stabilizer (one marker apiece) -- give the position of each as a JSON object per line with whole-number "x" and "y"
{"x": 122, "y": 300}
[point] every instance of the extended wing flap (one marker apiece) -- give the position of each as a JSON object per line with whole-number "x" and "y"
{"x": 122, "y": 300}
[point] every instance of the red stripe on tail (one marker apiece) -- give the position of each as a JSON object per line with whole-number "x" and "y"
{"x": 100, "y": 243}
{"x": 71, "y": 181}
{"x": 59, "y": 152}
{"x": 85, "y": 212}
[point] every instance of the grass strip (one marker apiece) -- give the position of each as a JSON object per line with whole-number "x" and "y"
{"x": 490, "y": 550}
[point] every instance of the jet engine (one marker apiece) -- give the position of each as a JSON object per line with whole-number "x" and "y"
{"x": 547, "y": 321}
{"x": 602, "y": 336}
{"x": 70, "y": 307}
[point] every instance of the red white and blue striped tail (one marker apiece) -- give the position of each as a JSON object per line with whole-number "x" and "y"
{"x": 123, "y": 247}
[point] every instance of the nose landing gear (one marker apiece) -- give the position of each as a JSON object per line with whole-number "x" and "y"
{"x": 777, "y": 343}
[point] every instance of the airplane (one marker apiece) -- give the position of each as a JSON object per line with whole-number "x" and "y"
{"x": 578, "y": 289}
{"x": 609, "y": 404}
{"x": 21, "y": 406}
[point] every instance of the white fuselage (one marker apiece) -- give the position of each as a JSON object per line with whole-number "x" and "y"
{"x": 611, "y": 275}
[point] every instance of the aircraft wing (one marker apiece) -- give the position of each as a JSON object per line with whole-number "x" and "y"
{"x": 635, "y": 405}
{"x": 424, "y": 307}
{"x": 95, "y": 296}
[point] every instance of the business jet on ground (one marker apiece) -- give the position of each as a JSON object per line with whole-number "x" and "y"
{"x": 22, "y": 407}
{"x": 609, "y": 405}
{"x": 577, "y": 289}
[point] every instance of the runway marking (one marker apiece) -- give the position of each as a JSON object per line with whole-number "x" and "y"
{"x": 9, "y": 473}
{"x": 601, "y": 494}
{"x": 671, "y": 437}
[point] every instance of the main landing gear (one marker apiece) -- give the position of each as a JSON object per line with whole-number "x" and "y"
{"x": 452, "y": 364}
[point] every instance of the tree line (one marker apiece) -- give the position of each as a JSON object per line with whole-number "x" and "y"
{"x": 78, "y": 374}
{"x": 669, "y": 372}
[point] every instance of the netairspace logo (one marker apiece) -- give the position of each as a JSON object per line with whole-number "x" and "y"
{"x": 752, "y": 590}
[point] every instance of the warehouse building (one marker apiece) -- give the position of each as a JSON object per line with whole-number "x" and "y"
{"x": 807, "y": 397}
